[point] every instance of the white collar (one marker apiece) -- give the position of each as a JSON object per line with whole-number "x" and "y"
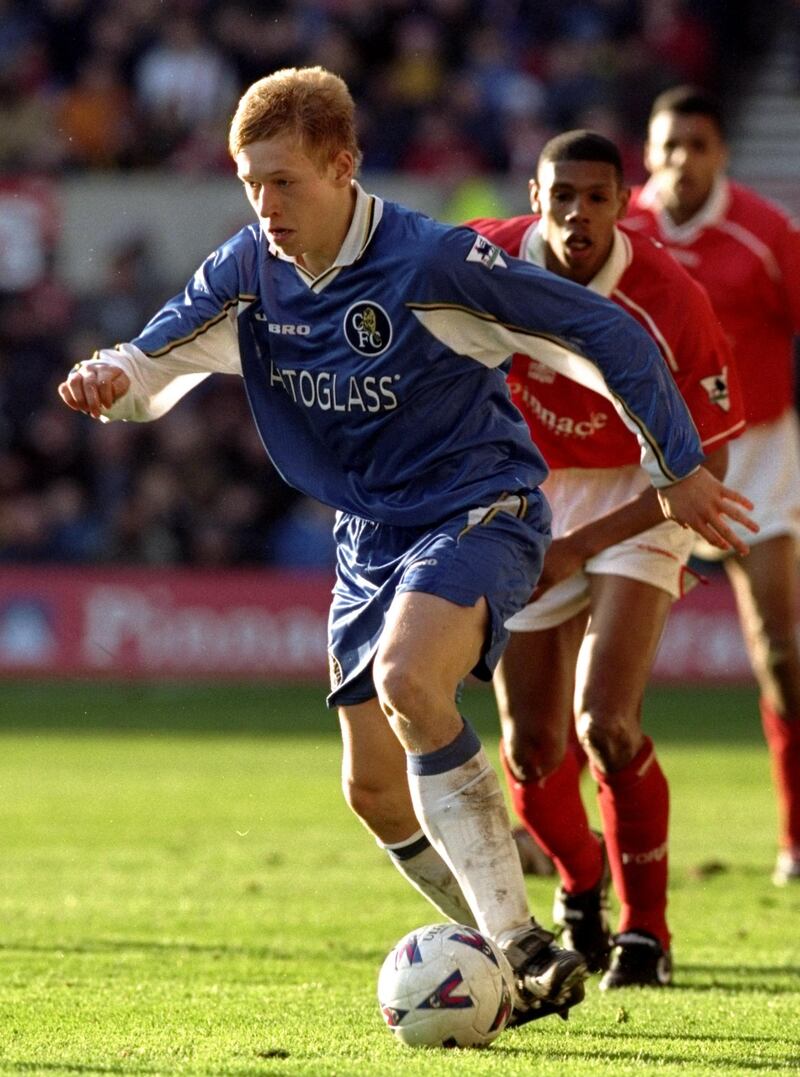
{"x": 711, "y": 212}
{"x": 532, "y": 249}
{"x": 366, "y": 215}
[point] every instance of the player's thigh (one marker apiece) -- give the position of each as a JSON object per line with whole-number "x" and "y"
{"x": 430, "y": 642}
{"x": 626, "y": 621}
{"x": 765, "y": 584}
{"x": 534, "y": 683}
{"x": 374, "y": 771}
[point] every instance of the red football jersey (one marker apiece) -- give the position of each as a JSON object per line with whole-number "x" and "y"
{"x": 575, "y": 427}
{"x": 746, "y": 253}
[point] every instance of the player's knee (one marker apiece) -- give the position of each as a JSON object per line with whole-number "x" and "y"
{"x": 533, "y": 754}
{"x": 610, "y": 739}
{"x": 371, "y": 801}
{"x": 403, "y": 690}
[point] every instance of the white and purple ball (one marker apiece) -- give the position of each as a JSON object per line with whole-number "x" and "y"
{"x": 446, "y": 985}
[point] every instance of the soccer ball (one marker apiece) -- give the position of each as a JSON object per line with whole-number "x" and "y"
{"x": 445, "y": 985}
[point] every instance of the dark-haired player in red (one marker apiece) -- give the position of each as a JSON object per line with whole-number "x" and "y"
{"x": 745, "y": 251}
{"x": 582, "y": 650}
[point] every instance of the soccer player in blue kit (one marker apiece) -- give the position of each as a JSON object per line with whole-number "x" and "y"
{"x": 373, "y": 343}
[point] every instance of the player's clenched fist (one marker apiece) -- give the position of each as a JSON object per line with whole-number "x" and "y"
{"x": 91, "y": 387}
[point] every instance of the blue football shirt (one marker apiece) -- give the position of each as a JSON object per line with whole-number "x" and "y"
{"x": 379, "y": 386}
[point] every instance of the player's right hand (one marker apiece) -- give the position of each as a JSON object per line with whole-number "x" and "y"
{"x": 93, "y": 386}
{"x": 563, "y": 559}
{"x": 700, "y": 501}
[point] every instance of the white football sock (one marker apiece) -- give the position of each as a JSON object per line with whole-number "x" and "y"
{"x": 419, "y": 863}
{"x": 458, "y": 801}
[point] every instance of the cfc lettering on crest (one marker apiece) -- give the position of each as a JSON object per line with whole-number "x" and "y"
{"x": 367, "y": 328}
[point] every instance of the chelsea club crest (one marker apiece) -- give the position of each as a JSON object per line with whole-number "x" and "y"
{"x": 367, "y": 328}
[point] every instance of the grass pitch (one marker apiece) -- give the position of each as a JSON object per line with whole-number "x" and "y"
{"x": 184, "y": 891}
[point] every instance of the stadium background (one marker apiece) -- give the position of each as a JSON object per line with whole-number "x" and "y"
{"x": 175, "y": 549}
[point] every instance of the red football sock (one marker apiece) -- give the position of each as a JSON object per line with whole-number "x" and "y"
{"x": 783, "y": 741}
{"x": 553, "y": 812}
{"x": 634, "y": 805}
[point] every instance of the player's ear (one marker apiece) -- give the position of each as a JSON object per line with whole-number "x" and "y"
{"x": 533, "y": 194}
{"x": 343, "y": 167}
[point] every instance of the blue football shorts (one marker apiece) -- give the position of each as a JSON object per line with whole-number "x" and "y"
{"x": 493, "y": 551}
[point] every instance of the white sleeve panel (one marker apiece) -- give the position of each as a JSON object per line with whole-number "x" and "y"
{"x": 481, "y": 337}
{"x": 468, "y": 333}
{"x": 161, "y": 379}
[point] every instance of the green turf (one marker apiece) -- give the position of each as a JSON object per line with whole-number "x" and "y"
{"x": 184, "y": 891}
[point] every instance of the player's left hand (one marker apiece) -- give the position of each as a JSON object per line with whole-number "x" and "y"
{"x": 702, "y": 502}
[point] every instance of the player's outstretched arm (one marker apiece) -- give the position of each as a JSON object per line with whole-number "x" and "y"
{"x": 93, "y": 387}
{"x": 703, "y": 503}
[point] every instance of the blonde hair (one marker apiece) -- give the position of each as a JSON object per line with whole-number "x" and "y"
{"x": 310, "y": 101}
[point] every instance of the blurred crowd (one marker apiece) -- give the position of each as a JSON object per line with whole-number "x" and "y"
{"x": 440, "y": 84}
{"x": 194, "y": 488}
{"x": 443, "y": 87}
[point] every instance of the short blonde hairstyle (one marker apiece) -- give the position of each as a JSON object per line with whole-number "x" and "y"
{"x": 312, "y": 102}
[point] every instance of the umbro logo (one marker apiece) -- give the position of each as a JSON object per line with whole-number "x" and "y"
{"x": 286, "y": 329}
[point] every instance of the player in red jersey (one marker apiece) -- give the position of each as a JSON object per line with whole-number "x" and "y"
{"x": 582, "y": 650}
{"x": 746, "y": 252}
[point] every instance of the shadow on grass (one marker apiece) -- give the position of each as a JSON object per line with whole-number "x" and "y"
{"x": 698, "y": 1037}
{"x": 256, "y": 953}
{"x": 76, "y": 1067}
{"x": 636, "y": 1056}
{"x": 754, "y": 979}
{"x": 70, "y": 1067}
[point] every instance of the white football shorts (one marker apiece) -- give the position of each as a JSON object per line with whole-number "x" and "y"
{"x": 764, "y": 465}
{"x": 657, "y": 556}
